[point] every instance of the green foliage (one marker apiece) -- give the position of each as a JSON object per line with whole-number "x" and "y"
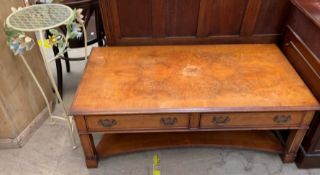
{"x": 11, "y": 33}
{"x": 54, "y": 32}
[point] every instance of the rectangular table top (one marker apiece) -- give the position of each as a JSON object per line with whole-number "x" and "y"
{"x": 193, "y": 78}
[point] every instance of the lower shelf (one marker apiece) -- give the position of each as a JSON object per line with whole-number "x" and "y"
{"x": 112, "y": 144}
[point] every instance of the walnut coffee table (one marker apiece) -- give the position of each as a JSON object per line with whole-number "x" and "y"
{"x": 150, "y": 97}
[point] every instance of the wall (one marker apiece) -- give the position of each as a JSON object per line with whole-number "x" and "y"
{"x": 20, "y": 99}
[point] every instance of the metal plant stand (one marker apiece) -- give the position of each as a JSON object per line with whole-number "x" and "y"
{"x": 39, "y": 18}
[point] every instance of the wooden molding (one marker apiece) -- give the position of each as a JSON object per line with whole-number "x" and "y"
{"x": 26, "y": 134}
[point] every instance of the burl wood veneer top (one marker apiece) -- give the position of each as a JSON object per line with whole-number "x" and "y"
{"x": 197, "y": 78}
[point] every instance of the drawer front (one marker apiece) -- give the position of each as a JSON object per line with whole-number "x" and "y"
{"x": 259, "y": 120}
{"x": 129, "y": 122}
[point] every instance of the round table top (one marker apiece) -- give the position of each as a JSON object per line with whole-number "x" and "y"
{"x": 39, "y": 17}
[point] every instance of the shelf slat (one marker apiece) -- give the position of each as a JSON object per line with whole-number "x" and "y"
{"x": 112, "y": 144}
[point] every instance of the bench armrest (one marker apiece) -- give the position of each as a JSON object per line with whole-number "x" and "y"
{"x": 310, "y": 8}
{"x": 302, "y": 48}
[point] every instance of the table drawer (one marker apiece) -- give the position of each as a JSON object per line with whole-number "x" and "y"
{"x": 128, "y": 122}
{"x": 267, "y": 119}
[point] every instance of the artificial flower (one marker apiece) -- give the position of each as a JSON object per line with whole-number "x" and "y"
{"x": 79, "y": 16}
{"x": 20, "y": 44}
{"x": 13, "y": 9}
{"x": 76, "y": 30}
{"x": 53, "y": 41}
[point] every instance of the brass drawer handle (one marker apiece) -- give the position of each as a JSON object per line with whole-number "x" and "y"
{"x": 282, "y": 118}
{"x": 168, "y": 122}
{"x": 220, "y": 120}
{"x": 107, "y": 123}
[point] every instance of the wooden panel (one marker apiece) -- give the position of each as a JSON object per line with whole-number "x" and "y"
{"x": 305, "y": 160}
{"x": 197, "y": 78}
{"x": 141, "y": 22}
{"x": 203, "y": 19}
{"x": 272, "y": 16}
{"x": 225, "y": 16}
{"x": 182, "y": 17}
{"x": 194, "y": 121}
{"x": 158, "y": 18}
{"x": 301, "y": 45}
{"x": 304, "y": 61}
{"x": 135, "y": 18}
{"x": 7, "y": 129}
{"x": 250, "y": 17}
{"x": 112, "y": 144}
{"x": 257, "y": 120}
{"x": 311, "y": 142}
{"x": 20, "y": 98}
{"x": 310, "y": 9}
{"x": 167, "y": 121}
{"x": 107, "y": 20}
{"x": 215, "y": 18}
{"x": 306, "y": 30}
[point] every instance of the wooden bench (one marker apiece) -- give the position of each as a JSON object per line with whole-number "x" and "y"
{"x": 186, "y": 90}
{"x": 237, "y": 93}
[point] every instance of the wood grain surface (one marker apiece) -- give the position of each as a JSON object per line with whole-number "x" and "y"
{"x": 154, "y": 22}
{"x": 112, "y": 144}
{"x": 238, "y": 120}
{"x": 138, "y": 122}
{"x": 190, "y": 79}
{"x": 154, "y": 79}
{"x": 310, "y": 8}
{"x": 20, "y": 99}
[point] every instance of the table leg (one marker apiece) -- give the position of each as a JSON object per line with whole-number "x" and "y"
{"x": 89, "y": 150}
{"x": 87, "y": 142}
{"x": 292, "y": 145}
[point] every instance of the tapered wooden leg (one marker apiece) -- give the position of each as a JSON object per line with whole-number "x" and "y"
{"x": 292, "y": 145}
{"x": 89, "y": 150}
{"x": 87, "y": 143}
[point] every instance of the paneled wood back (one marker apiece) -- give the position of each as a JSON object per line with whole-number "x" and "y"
{"x": 133, "y": 22}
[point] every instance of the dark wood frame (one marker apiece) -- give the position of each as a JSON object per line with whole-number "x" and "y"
{"x": 254, "y": 18}
{"x": 303, "y": 37}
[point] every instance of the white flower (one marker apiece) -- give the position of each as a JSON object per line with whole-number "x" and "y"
{"x": 29, "y": 43}
{"x": 14, "y": 9}
{"x": 79, "y": 16}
